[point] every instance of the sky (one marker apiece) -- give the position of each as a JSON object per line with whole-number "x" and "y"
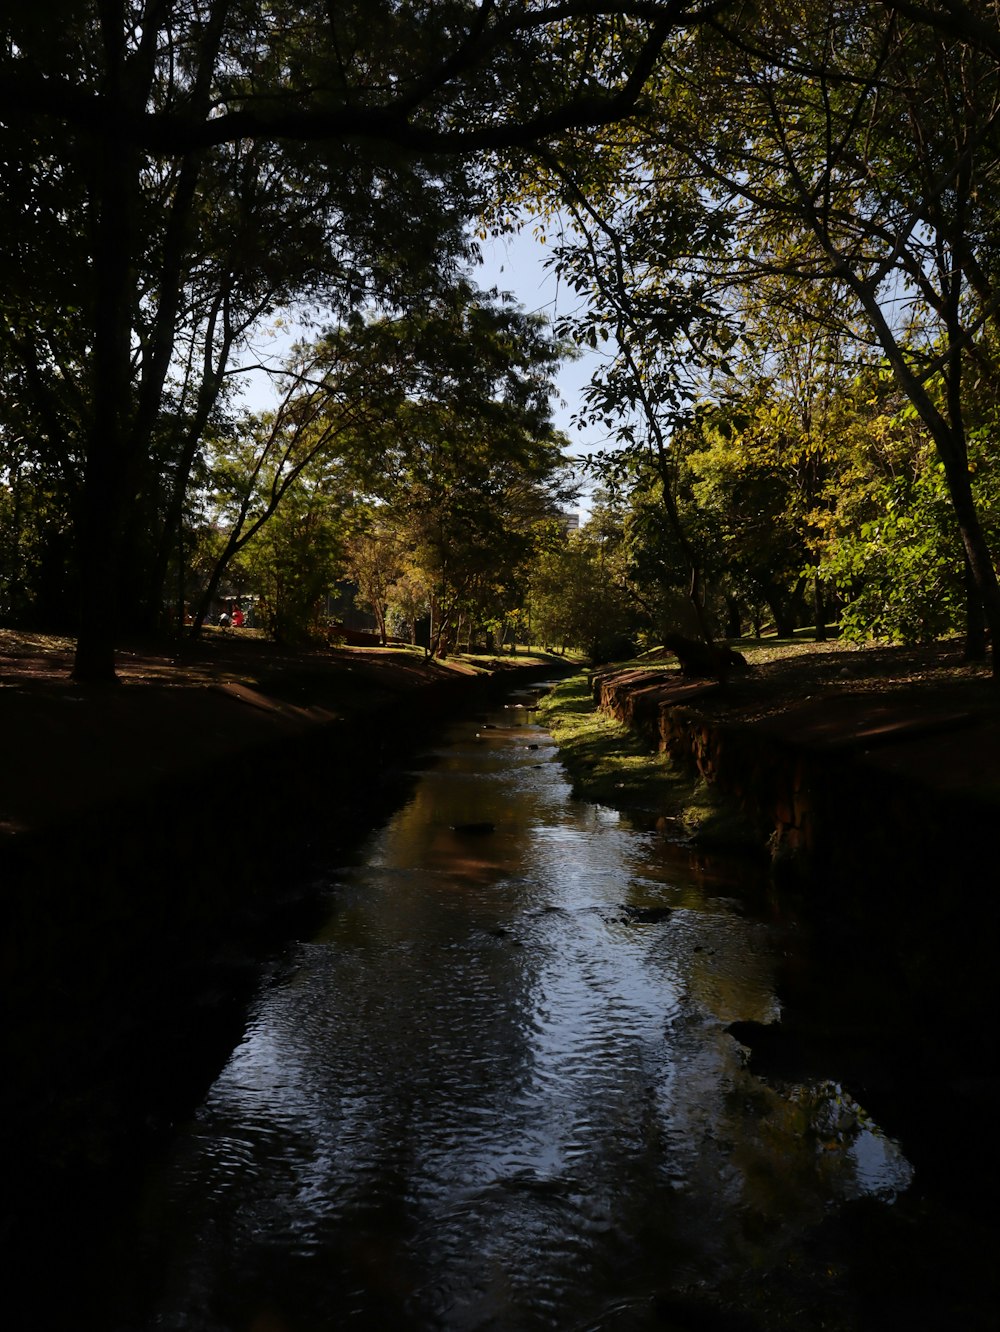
{"x": 515, "y": 264}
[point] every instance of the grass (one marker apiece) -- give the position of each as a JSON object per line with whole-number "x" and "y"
{"x": 606, "y": 761}
{"x": 768, "y": 648}
{"x": 610, "y": 765}
{"x": 525, "y": 655}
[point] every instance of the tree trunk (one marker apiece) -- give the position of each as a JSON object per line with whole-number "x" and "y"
{"x": 784, "y": 622}
{"x": 734, "y": 622}
{"x": 109, "y": 465}
{"x": 113, "y": 445}
{"x": 173, "y": 522}
{"x": 979, "y": 559}
{"x": 698, "y": 604}
{"x": 94, "y": 662}
{"x": 380, "y": 612}
{"x": 975, "y": 620}
{"x": 819, "y": 607}
{"x": 948, "y": 433}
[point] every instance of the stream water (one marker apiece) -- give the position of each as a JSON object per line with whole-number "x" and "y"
{"x": 497, "y": 1090}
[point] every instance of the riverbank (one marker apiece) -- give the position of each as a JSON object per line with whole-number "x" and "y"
{"x": 134, "y": 937}
{"x": 158, "y": 838}
{"x": 866, "y": 784}
{"x": 612, "y": 763}
{"x": 177, "y": 714}
{"x": 825, "y": 756}
{"x": 922, "y": 713}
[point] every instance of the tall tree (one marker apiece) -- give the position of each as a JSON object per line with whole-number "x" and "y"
{"x": 337, "y": 390}
{"x": 434, "y": 427}
{"x": 857, "y": 148}
{"x": 470, "y": 462}
{"x": 849, "y": 146}
{"x": 626, "y": 257}
{"x": 120, "y": 114}
{"x": 375, "y": 561}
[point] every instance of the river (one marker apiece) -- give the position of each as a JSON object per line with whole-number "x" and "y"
{"x": 497, "y": 1091}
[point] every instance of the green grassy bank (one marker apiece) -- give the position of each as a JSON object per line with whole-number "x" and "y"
{"x": 611, "y": 765}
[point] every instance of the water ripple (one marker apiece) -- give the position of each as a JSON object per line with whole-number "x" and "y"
{"x": 496, "y": 1090}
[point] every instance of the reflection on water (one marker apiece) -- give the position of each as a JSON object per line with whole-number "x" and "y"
{"x": 497, "y": 1091}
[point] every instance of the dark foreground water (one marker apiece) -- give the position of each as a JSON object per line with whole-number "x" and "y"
{"x": 497, "y": 1091}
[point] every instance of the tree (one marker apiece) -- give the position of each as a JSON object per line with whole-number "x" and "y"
{"x": 743, "y": 484}
{"x": 856, "y": 148}
{"x": 337, "y": 390}
{"x": 577, "y": 599}
{"x": 469, "y": 464}
{"x": 409, "y": 600}
{"x": 122, "y": 118}
{"x": 892, "y": 536}
{"x": 292, "y": 562}
{"x": 626, "y": 258}
{"x": 434, "y": 428}
{"x": 847, "y": 147}
{"x": 375, "y": 557}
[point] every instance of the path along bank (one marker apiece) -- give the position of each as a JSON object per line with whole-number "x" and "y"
{"x": 157, "y": 838}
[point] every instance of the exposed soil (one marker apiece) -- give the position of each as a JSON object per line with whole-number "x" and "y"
{"x": 923, "y": 710}
{"x": 180, "y": 708}
{"x": 174, "y": 712}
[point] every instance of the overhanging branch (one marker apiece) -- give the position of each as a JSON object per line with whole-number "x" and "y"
{"x": 27, "y": 96}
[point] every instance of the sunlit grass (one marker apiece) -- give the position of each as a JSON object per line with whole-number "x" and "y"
{"x": 757, "y": 650}
{"x": 610, "y": 764}
{"x": 606, "y": 761}
{"x": 526, "y": 655}
{"x": 19, "y": 642}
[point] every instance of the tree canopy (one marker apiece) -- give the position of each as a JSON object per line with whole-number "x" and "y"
{"x": 768, "y": 215}
{"x": 829, "y": 167}
{"x": 178, "y": 170}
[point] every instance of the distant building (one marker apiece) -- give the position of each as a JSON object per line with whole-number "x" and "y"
{"x": 570, "y": 522}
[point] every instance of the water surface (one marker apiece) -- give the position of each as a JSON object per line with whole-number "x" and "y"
{"x": 497, "y": 1090}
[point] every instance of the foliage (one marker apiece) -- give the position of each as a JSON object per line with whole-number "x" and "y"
{"x": 433, "y": 427}
{"x": 292, "y": 563}
{"x": 809, "y": 189}
{"x": 895, "y": 559}
{"x": 176, "y": 172}
{"x": 374, "y": 557}
{"x": 409, "y": 600}
{"x": 467, "y": 468}
{"x": 856, "y": 149}
{"x": 577, "y": 599}
{"x": 760, "y": 211}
